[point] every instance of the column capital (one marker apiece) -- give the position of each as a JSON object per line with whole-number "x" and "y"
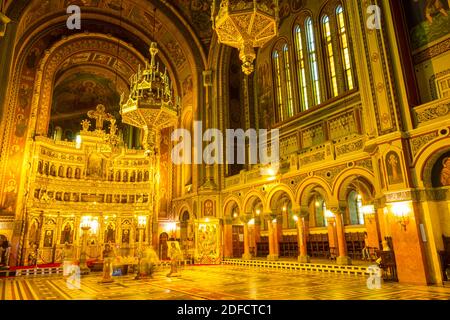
{"x": 245, "y": 218}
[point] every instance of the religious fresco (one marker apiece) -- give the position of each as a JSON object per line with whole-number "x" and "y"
{"x": 164, "y": 172}
{"x": 83, "y": 91}
{"x": 428, "y": 20}
{"x": 208, "y": 208}
{"x": 440, "y": 174}
{"x": 394, "y": 169}
{"x": 75, "y": 95}
{"x": 208, "y": 246}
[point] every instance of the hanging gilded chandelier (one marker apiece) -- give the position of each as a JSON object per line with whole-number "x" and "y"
{"x": 246, "y": 25}
{"x": 151, "y": 103}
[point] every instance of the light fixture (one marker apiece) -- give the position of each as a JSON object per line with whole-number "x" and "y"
{"x": 207, "y": 220}
{"x": 401, "y": 212}
{"x": 295, "y": 218}
{"x": 142, "y": 221}
{"x": 368, "y": 209}
{"x": 235, "y": 215}
{"x": 251, "y": 221}
{"x": 284, "y": 208}
{"x": 151, "y": 104}
{"x": 85, "y": 223}
{"x": 317, "y": 204}
{"x": 245, "y": 25}
{"x": 258, "y": 212}
{"x": 329, "y": 214}
{"x": 78, "y": 141}
{"x": 274, "y": 220}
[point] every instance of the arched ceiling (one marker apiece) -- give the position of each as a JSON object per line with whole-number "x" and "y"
{"x": 131, "y": 21}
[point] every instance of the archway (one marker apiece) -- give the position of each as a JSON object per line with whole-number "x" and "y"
{"x": 233, "y": 229}
{"x": 356, "y": 195}
{"x": 281, "y": 204}
{"x": 47, "y": 54}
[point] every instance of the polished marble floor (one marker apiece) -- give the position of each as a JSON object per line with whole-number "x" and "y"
{"x": 218, "y": 282}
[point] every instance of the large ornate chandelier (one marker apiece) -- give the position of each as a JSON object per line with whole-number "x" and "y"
{"x": 151, "y": 103}
{"x": 246, "y": 25}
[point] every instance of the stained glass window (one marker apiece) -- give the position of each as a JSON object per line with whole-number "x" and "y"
{"x": 301, "y": 69}
{"x": 312, "y": 52}
{"x": 329, "y": 55}
{"x": 289, "y": 93}
{"x": 279, "y": 91}
{"x": 345, "y": 49}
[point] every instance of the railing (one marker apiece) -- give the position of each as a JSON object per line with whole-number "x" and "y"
{"x": 437, "y": 110}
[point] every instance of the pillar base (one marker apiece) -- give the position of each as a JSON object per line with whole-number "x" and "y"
{"x": 272, "y": 257}
{"x": 247, "y": 256}
{"x": 343, "y": 260}
{"x": 106, "y": 281}
{"x": 304, "y": 259}
{"x": 84, "y": 270}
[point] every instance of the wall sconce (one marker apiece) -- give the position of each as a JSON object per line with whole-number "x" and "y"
{"x": 401, "y": 212}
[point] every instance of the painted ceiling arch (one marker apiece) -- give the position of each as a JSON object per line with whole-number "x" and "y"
{"x": 174, "y": 35}
{"x": 82, "y": 48}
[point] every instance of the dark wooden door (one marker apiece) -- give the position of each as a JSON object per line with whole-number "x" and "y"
{"x": 238, "y": 241}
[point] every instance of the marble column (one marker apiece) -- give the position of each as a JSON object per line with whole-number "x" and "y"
{"x": 332, "y": 234}
{"x": 302, "y": 244}
{"x": 372, "y": 228}
{"x": 246, "y": 255}
{"x": 273, "y": 239}
{"x": 342, "y": 259}
{"x": 227, "y": 238}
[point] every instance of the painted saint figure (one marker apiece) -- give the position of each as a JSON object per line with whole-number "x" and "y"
{"x": 445, "y": 173}
{"x": 432, "y": 7}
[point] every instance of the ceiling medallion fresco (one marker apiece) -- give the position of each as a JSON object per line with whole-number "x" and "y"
{"x": 83, "y": 91}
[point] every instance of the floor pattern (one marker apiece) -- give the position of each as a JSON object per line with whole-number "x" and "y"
{"x": 218, "y": 282}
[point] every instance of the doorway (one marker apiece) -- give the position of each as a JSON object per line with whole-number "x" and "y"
{"x": 238, "y": 241}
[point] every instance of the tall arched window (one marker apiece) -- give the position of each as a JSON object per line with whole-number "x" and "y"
{"x": 287, "y": 72}
{"x": 314, "y": 68}
{"x": 354, "y": 201}
{"x": 301, "y": 68}
{"x": 320, "y": 209}
{"x": 345, "y": 48}
{"x": 278, "y": 92}
{"x": 331, "y": 66}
